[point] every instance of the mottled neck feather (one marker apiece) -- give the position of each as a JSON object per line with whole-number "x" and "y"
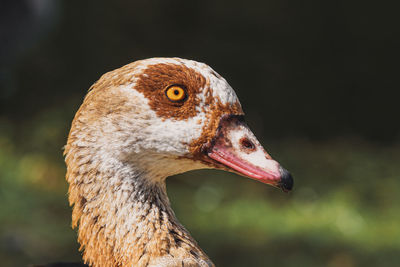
{"x": 125, "y": 218}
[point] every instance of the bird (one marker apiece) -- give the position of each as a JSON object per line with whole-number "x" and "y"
{"x": 138, "y": 125}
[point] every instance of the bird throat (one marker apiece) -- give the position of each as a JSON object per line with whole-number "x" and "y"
{"x": 125, "y": 219}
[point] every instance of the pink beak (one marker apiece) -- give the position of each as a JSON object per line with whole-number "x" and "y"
{"x": 236, "y": 147}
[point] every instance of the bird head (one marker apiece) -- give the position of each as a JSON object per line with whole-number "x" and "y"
{"x": 169, "y": 115}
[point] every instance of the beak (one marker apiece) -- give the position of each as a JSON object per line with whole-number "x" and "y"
{"x": 235, "y": 148}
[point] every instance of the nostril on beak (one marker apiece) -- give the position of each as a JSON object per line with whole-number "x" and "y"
{"x": 247, "y": 144}
{"x": 286, "y": 182}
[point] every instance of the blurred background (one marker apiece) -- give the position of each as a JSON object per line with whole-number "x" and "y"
{"x": 318, "y": 81}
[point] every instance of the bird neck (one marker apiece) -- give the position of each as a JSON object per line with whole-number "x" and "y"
{"x": 125, "y": 219}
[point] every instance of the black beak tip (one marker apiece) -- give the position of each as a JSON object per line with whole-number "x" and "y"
{"x": 286, "y": 182}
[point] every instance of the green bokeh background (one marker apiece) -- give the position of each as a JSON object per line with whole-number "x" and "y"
{"x": 317, "y": 81}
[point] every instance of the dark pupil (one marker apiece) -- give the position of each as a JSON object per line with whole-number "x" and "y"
{"x": 176, "y": 92}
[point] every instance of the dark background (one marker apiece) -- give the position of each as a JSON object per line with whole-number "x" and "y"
{"x": 317, "y": 79}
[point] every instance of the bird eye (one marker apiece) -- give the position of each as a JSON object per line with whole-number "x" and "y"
{"x": 176, "y": 93}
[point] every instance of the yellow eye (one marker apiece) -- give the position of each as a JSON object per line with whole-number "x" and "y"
{"x": 176, "y": 93}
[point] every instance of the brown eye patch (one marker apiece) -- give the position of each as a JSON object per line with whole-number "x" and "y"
{"x": 156, "y": 78}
